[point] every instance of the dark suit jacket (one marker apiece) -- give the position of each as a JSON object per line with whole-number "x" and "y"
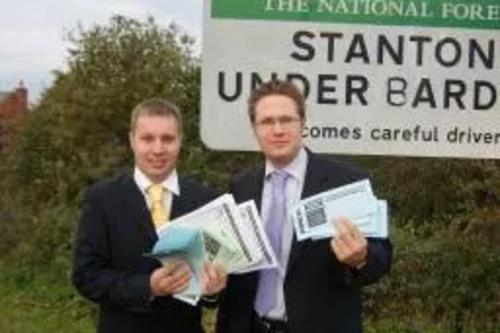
{"x": 109, "y": 266}
{"x": 321, "y": 294}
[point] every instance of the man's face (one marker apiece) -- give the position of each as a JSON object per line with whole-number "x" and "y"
{"x": 156, "y": 143}
{"x": 278, "y": 129}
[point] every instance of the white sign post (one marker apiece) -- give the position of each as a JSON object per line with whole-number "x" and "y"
{"x": 382, "y": 77}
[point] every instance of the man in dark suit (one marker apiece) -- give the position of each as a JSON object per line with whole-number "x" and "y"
{"x": 316, "y": 288}
{"x": 118, "y": 226}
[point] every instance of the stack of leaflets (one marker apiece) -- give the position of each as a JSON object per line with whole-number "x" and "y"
{"x": 222, "y": 232}
{"x": 313, "y": 217}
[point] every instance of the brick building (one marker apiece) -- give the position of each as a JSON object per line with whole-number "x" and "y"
{"x": 13, "y": 107}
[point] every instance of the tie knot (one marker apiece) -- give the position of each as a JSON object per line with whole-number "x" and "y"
{"x": 156, "y": 192}
{"x": 279, "y": 177}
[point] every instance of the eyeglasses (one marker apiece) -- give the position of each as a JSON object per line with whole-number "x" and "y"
{"x": 285, "y": 122}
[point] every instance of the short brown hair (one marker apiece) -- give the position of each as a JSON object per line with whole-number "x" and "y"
{"x": 156, "y": 107}
{"x": 277, "y": 87}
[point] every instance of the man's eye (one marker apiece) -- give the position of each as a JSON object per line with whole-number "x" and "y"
{"x": 267, "y": 122}
{"x": 167, "y": 139}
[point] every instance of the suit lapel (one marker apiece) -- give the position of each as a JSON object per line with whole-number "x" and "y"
{"x": 315, "y": 178}
{"x": 253, "y": 190}
{"x": 135, "y": 203}
{"x": 180, "y": 207}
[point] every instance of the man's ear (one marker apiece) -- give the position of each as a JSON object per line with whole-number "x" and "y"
{"x": 131, "y": 139}
{"x": 254, "y": 128}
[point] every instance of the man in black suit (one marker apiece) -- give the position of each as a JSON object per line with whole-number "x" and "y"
{"x": 316, "y": 288}
{"x": 116, "y": 229}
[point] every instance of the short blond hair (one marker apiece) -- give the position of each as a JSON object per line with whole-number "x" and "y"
{"x": 155, "y": 107}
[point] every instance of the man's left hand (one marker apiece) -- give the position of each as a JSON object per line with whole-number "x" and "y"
{"x": 349, "y": 245}
{"x": 214, "y": 278}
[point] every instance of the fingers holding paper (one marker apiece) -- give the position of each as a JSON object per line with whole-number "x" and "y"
{"x": 214, "y": 278}
{"x": 170, "y": 279}
{"x": 349, "y": 245}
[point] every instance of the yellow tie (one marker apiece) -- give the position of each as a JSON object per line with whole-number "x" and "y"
{"x": 159, "y": 213}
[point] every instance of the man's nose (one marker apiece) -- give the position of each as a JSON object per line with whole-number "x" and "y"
{"x": 158, "y": 146}
{"x": 277, "y": 127}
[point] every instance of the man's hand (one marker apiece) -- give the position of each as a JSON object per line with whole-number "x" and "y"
{"x": 213, "y": 279}
{"x": 170, "y": 279}
{"x": 349, "y": 246}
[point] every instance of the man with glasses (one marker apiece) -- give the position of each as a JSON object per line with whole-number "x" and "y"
{"x": 316, "y": 288}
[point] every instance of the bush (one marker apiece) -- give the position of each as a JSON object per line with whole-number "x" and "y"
{"x": 425, "y": 190}
{"x": 445, "y": 280}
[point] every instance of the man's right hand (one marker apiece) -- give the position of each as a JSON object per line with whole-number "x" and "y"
{"x": 170, "y": 279}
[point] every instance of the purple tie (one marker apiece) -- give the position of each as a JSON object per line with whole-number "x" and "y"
{"x": 269, "y": 278}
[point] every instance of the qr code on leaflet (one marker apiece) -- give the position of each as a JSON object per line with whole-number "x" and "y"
{"x": 212, "y": 246}
{"x": 315, "y": 213}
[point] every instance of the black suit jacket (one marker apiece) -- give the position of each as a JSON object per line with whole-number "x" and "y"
{"x": 109, "y": 266}
{"x": 321, "y": 294}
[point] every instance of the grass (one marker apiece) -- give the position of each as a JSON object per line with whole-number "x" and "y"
{"x": 34, "y": 303}
{"x": 38, "y": 304}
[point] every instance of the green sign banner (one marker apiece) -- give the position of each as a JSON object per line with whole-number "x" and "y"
{"x": 475, "y": 14}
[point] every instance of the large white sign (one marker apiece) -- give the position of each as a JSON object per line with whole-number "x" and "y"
{"x": 382, "y": 77}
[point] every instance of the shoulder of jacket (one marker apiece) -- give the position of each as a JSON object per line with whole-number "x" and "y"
{"x": 337, "y": 165}
{"x": 110, "y": 184}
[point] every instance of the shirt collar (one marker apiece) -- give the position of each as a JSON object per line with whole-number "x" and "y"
{"x": 171, "y": 183}
{"x": 296, "y": 168}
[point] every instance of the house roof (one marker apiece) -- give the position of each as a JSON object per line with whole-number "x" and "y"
{"x": 4, "y": 95}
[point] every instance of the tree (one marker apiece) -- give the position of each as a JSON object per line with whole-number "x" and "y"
{"x": 78, "y": 132}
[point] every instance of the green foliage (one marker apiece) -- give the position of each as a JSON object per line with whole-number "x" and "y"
{"x": 429, "y": 190}
{"x": 445, "y": 279}
{"x": 79, "y": 131}
{"x": 40, "y": 303}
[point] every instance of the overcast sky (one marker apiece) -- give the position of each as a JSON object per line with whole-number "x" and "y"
{"x": 32, "y": 32}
